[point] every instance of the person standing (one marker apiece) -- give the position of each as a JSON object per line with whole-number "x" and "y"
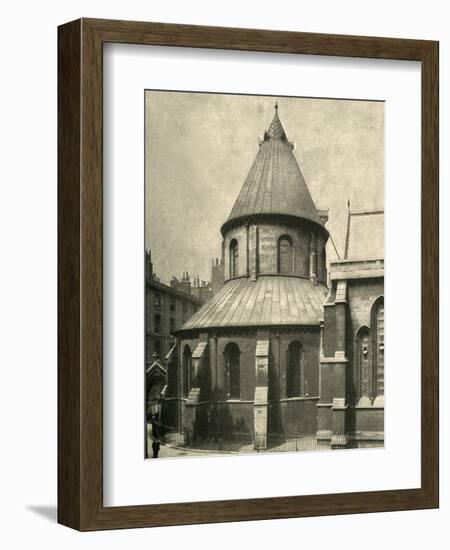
{"x": 155, "y": 446}
{"x": 155, "y": 431}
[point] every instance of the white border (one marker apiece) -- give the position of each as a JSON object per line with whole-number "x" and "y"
{"x": 128, "y": 478}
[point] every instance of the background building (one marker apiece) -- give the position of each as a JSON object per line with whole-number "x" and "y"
{"x": 167, "y": 308}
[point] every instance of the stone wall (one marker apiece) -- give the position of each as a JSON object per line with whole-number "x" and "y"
{"x": 348, "y": 309}
{"x": 290, "y": 416}
{"x": 261, "y": 249}
{"x": 298, "y": 416}
{"x": 309, "y": 338}
{"x": 362, "y": 294}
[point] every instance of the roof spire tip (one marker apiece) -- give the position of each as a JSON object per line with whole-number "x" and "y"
{"x": 276, "y": 106}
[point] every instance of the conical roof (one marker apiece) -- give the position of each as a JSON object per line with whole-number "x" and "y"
{"x": 275, "y": 183}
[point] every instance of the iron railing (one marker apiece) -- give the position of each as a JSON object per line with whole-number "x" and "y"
{"x": 240, "y": 442}
{"x": 246, "y": 443}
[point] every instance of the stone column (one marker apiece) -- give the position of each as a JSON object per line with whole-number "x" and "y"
{"x": 313, "y": 259}
{"x": 321, "y": 261}
{"x": 247, "y": 233}
{"x": 332, "y": 404}
{"x": 260, "y": 413}
{"x": 194, "y": 394}
{"x": 341, "y": 315}
{"x": 254, "y": 252}
{"x": 213, "y": 357}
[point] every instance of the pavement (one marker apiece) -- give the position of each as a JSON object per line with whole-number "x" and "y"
{"x": 168, "y": 450}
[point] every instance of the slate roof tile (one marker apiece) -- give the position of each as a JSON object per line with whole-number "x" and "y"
{"x": 275, "y": 183}
{"x": 270, "y": 300}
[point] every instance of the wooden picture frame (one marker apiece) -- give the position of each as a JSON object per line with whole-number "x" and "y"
{"x": 80, "y": 272}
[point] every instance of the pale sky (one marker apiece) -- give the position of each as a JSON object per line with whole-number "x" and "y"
{"x": 199, "y": 150}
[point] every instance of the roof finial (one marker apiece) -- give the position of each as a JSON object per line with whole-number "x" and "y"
{"x": 276, "y": 106}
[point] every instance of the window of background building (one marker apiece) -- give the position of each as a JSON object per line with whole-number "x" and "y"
{"x": 158, "y": 348}
{"x": 172, "y": 324}
{"x": 157, "y": 323}
{"x": 173, "y": 306}
{"x": 157, "y": 300}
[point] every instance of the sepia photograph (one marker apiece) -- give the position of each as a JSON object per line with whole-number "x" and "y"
{"x": 264, "y": 274}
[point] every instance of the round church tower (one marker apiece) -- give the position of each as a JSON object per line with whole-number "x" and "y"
{"x": 247, "y": 364}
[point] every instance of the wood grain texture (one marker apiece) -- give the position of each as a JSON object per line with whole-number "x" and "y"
{"x": 69, "y": 245}
{"x": 80, "y": 264}
{"x": 430, "y": 272}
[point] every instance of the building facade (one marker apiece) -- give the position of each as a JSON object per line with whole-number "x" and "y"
{"x": 263, "y": 357}
{"x": 166, "y": 309}
{"x": 351, "y": 405}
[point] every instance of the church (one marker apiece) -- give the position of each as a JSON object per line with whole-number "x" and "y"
{"x": 284, "y": 349}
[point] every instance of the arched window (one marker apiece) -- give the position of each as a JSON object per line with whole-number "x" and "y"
{"x": 234, "y": 258}
{"x": 295, "y": 370}
{"x": 285, "y": 255}
{"x": 187, "y": 361}
{"x": 232, "y": 371}
{"x": 363, "y": 358}
{"x": 378, "y": 346}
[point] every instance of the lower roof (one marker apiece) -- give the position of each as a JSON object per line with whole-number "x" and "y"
{"x": 365, "y": 235}
{"x": 270, "y": 300}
